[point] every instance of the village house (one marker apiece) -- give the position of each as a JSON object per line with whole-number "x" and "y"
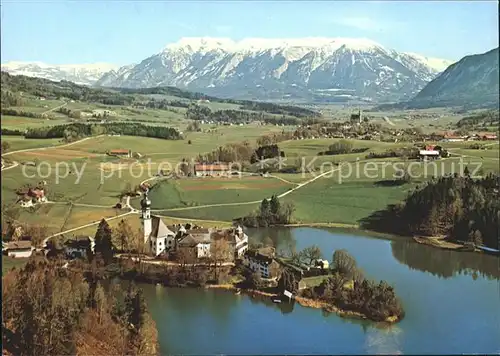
{"x": 78, "y": 247}
{"x": 210, "y": 170}
{"x": 17, "y": 249}
{"x": 429, "y": 152}
{"x": 262, "y": 261}
{"x": 194, "y": 245}
{"x": 453, "y": 138}
{"x": 32, "y": 197}
{"x": 120, "y": 153}
{"x": 489, "y": 137}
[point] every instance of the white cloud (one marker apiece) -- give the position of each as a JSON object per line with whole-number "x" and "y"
{"x": 367, "y": 24}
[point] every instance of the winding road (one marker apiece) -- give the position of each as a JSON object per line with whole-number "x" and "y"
{"x": 132, "y": 210}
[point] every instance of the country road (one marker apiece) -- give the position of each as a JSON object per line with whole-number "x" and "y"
{"x": 44, "y": 242}
{"x": 51, "y": 147}
{"x": 53, "y": 109}
{"x": 254, "y": 201}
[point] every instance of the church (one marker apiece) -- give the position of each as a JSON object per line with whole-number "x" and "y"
{"x": 196, "y": 242}
{"x": 157, "y": 236}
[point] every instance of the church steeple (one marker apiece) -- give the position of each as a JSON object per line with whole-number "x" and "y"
{"x": 146, "y": 216}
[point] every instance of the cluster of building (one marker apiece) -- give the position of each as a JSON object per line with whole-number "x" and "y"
{"x": 31, "y": 196}
{"x": 487, "y": 136}
{"x": 184, "y": 240}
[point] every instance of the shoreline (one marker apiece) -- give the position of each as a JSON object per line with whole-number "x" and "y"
{"x": 309, "y": 303}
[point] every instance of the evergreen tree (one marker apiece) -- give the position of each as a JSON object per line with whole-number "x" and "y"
{"x": 103, "y": 243}
{"x": 275, "y": 205}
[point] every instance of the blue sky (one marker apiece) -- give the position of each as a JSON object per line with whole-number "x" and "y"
{"x": 123, "y": 32}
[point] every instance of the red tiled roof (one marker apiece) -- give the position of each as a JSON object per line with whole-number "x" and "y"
{"x": 119, "y": 151}
{"x": 211, "y": 167}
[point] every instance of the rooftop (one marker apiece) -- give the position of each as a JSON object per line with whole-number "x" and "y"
{"x": 17, "y": 245}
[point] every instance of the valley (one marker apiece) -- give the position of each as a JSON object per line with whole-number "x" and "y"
{"x": 221, "y": 173}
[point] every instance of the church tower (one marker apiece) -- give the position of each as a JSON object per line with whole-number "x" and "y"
{"x": 146, "y": 216}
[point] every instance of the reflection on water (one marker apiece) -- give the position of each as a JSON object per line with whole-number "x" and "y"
{"x": 445, "y": 263}
{"x": 198, "y": 321}
{"x": 384, "y": 341}
{"x": 438, "y": 262}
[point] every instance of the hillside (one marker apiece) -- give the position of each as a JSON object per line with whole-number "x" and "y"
{"x": 471, "y": 83}
{"x": 12, "y": 87}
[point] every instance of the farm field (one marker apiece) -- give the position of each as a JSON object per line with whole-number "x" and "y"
{"x": 21, "y": 143}
{"x": 8, "y": 263}
{"x": 218, "y": 213}
{"x": 22, "y": 123}
{"x": 207, "y": 191}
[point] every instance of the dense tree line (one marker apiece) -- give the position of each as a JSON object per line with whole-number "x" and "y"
{"x": 79, "y": 130}
{"x": 15, "y": 112}
{"x": 9, "y": 132}
{"x": 405, "y": 152}
{"x": 8, "y": 98}
{"x": 162, "y": 104}
{"x": 127, "y": 96}
{"x": 49, "y": 310}
{"x": 348, "y": 289}
{"x": 271, "y": 212}
{"x": 279, "y": 109}
{"x": 201, "y": 112}
{"x": 63, "y": 89}
{"x": 459, "y": 207}
{"x": 485, "y": 118}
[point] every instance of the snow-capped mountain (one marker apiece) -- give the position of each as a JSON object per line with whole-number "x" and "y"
{"x": 86, "y": 74}
{"x": 313, "y": 67}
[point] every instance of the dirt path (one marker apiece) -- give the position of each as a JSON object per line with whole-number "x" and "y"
{"x": 57, "y": 107}
{"x": 44, "y": 242}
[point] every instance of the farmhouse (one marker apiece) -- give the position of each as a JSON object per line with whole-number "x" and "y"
{"x": 32, "y": 197}
{"x": 78, "y": 247}
{"x": 194, "y": 245}
{"x": 453, "y": 138}
{"x": 18, "y": 249}
{"x": 236, "y": 238}
{"x": 120, "y": 153}
{"x": 489, "y": 137}
{"x": 210, "y": 170}
{"x": 429, "y": 152}
{"x": 262, "y": 261}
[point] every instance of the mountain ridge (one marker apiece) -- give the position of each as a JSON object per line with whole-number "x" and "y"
{"x": 472, "y": 82}
{"x": 282, "y": 67}
{"x": 311, "y": 68}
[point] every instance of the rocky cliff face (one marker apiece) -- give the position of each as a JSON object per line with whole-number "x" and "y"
{"x": 279, "y": 68}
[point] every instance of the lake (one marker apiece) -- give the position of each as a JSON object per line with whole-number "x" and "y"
{"x": 451, "y": 299}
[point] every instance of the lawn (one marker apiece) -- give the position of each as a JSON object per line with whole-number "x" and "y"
{"x": 22, "y": 123}
{"x": 8, "y": 263}
{"x": 205, "y": 191}
{"x": 222, "y": 213}
{"x": 21, "y": 143}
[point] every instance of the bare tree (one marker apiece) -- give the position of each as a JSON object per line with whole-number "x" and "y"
{"x": 219, "y": 252}
{"x": 310, "y": 254}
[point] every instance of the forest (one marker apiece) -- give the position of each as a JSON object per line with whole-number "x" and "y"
{"x": 51, "y": 310}
{"x": 12, "y": 85}
{"x": 200, "y": 112}
{"x": 347, "y": 288}
{"x": 459, "y": 207}
{"x": 75, "y": 131}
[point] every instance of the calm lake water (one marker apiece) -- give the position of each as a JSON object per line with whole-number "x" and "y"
{"x": 451, "y": 299}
